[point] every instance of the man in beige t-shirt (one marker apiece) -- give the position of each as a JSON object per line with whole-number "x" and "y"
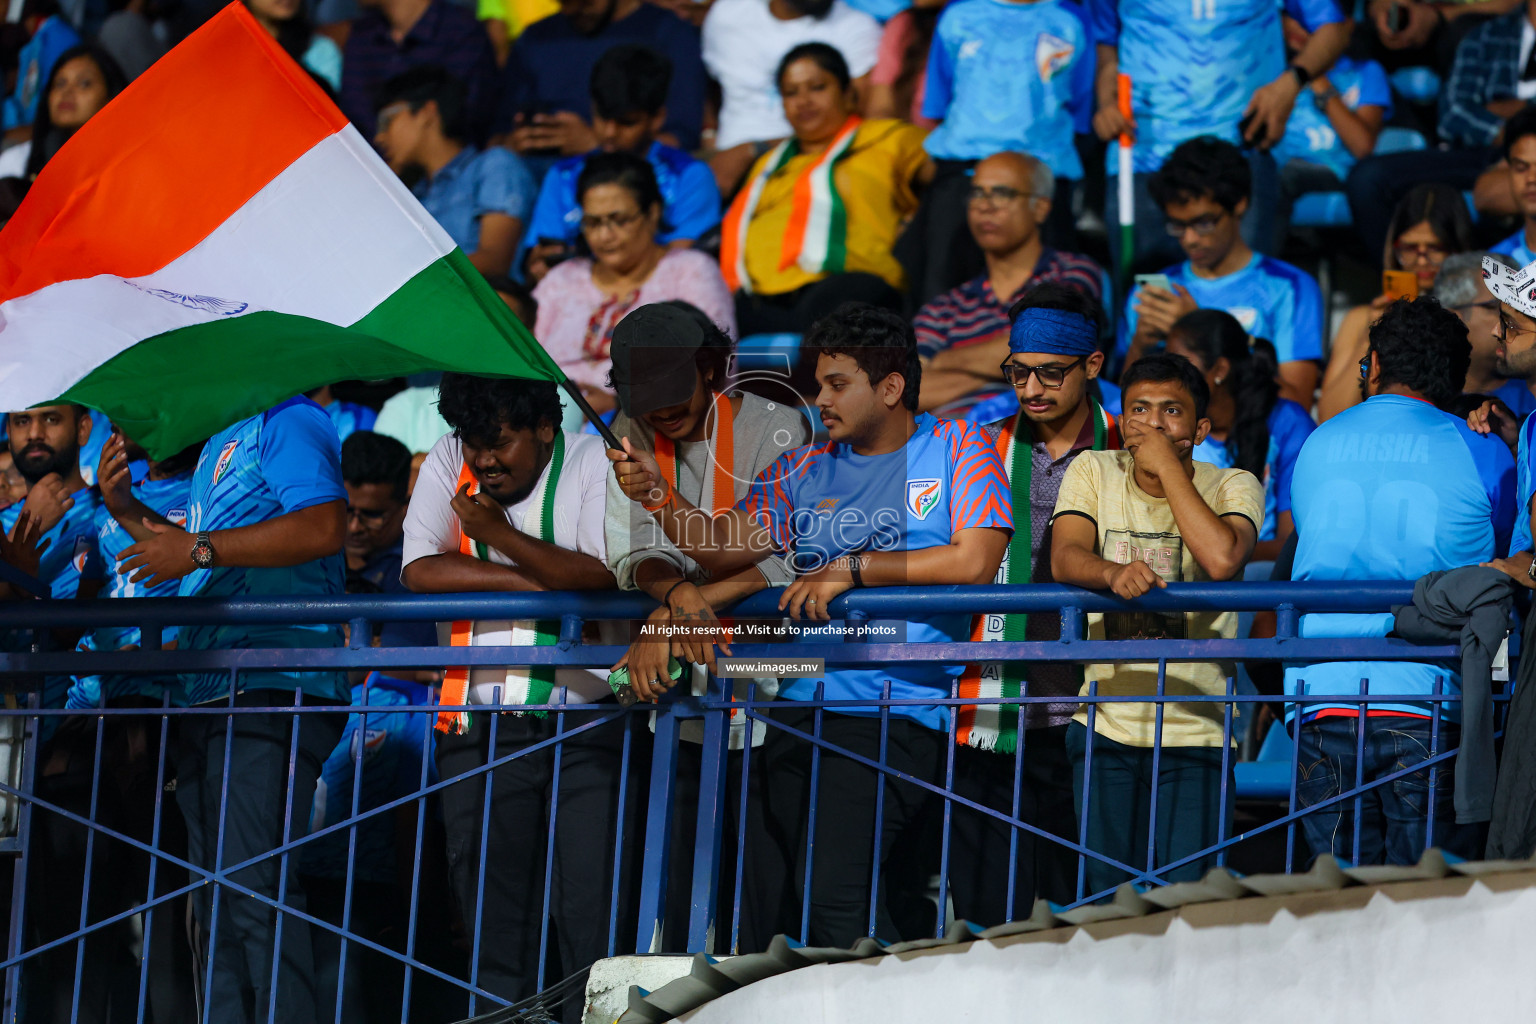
{"x": 1128, "y": 521}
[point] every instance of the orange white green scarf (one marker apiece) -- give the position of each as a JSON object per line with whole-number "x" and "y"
{"x": 996, "y": 726}
{"x": 527, "y": 685}
{"x": 817, "y": 236}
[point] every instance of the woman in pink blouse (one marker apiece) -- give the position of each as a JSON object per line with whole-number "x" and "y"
{"x": 622, "y": 266}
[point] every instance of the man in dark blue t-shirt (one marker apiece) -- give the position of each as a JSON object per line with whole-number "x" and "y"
{"x": 544, "y": 101}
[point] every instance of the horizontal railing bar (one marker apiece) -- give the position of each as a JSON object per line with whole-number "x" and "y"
{"x": 1360, "y": 596}
{"x": 151, "y": 662}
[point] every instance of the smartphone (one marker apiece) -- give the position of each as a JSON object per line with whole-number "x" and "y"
{"x": 1400, "y": 284}
{"x": 567, "y": 251}
{"x": 624, "y": 691}
{"x": 1242, "y": 131}
{"x": 1154, "y": 281}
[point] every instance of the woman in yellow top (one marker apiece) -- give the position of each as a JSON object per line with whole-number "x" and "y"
{"x": 814, "y": 224}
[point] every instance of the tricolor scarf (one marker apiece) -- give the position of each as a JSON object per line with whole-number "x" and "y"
{"x": 719, "y": 480}
{"x": 531, "y": 685}
{"x": 996, "y": 726}
{"x": 817, "y": 236}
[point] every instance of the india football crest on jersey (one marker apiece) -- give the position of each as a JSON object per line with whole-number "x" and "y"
{"x": 225, "y": 455}
{"x": 1245, "y": 315}
{"x": 923, "y": 496}
{"x": 1052, "y": 53}
{"x": 82, "y": 551}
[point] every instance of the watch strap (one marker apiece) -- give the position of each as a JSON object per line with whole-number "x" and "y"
{"x": 1303, "y": 76}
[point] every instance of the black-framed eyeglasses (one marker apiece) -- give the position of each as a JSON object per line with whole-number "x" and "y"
{"x": 1492, "y": 305}
{"x": 1203, "y": 225}
{"x": 370, "y": 516}
{"x": 997, "y": 195}
{"x": 1506, "y": 328}
{"x": 1018, "y": 374}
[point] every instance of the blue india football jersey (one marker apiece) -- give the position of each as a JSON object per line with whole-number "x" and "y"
{"x": 1271, "y": 299}
{"x": 1011, "y": 76}
{"x": 1310, "y": 136}
{"x": 1392, "y": 489}
{"x": 63, "y": 567}
{"x": 349, "y": 417}
{"x": 281, "y": 461}
{"x": 1194, "y": 64}
{"x": 1525, "y": 483}
{"x": 1515, "y": 248}
{"x": 392, "y": 746}
{"x": 1289, "y": 427}
{"x": 167, "y": 498}
{"x": 824, "y": 501}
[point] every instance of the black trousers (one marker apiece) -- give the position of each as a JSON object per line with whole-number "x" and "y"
{"x": 979, "y": 847}
{"x": 251, "y": 823}
{"x": 127, "y": 788}
{"x": 509, "y": 916}
{"x": 845, "y": 838}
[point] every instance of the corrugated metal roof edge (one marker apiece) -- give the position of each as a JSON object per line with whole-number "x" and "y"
{"x": 710, "y": 979}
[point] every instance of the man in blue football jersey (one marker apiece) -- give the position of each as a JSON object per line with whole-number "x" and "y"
{"x": 893, "y": 498}
{"x": 1393, "y": 488}
{"x": 1519, "y": 142}
{"x": 629, "y": 111}
{"x": 1515, "y": 341}
{"x": 45, "y": 445}
{"x": 266, "y": 518}
{"x": 1203, "y": 191}
{"x": 1207, "y": 69}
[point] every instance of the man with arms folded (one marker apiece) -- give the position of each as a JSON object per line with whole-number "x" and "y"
{"x": 1128, "y": 522}
{"x": 892, "y": 499}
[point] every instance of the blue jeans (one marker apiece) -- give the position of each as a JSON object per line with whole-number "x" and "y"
{"x": 1118, "y": 814}
{"x": 1394, "y": 816}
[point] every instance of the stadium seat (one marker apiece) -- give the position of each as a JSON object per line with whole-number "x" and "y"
{"x": 767, "y": 352}
{"x": 1331, "y": 209}
{"x": 1267, "y": 777}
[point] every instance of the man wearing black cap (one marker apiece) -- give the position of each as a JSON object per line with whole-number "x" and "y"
{"x": 670, "y": 366}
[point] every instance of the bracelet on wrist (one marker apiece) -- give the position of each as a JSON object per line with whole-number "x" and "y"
{"x": 666, "y": 598}
{"x": 1302, "y": 75}
{"x": 856, "y": 569}
{"x": 664, "y": 502}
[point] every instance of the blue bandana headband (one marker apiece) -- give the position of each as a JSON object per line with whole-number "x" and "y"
{"x": 1053, "y": 331}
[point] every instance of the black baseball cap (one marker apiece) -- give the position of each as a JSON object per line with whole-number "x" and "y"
{"x": 654, "y": 351}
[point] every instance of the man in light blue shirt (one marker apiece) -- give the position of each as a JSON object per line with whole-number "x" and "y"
{"x": 1202, "y": 193}
{"x": 266, "y": 517}
{"x": 1520, "y": 154}
{"x": 1393, "y": 488}
{"x": 1205, "y": 68}
{"x": 481, "y": 198}
{"x": 629, "y": 109}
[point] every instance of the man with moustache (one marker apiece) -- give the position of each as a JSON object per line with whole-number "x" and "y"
{"x": 510, "y": 503}
{"x": 893, "y": 498}
{"x": 1053, "y": 355}
{"x": 962, "y": 335}
{"x": 45, "y": 444}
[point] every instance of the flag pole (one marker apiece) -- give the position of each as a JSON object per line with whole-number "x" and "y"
{"x": 1127, "y": 191}
{"x": 574, "y": 390}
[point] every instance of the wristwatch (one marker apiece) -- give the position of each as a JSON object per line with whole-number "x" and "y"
{"x": 202, "y": 552}
{"x": 1530, "y": 570}
{"x": 1303, "y": 76}
{"x": 1320, "y": 99}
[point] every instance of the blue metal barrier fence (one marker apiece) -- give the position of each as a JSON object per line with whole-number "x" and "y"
{"x": 684, "y": 806}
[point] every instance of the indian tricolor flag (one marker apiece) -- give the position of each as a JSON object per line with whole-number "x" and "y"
{"x": 220, "y": 238}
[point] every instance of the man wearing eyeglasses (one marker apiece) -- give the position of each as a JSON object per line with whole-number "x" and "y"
{"x": 1053, "y": 357}
{"x": 962, "y": 335}
{"x": 1459, "y": 287}
{"x": 1203, "y": 191}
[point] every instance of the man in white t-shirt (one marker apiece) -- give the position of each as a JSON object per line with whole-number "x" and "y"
{"x": 744, "y": 40}
{"x": 509, "y": 503}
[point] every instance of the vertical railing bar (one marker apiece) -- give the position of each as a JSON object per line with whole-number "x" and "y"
{"x": 154, "y": 862}
{"x": 427, "y": 755}
{"x": 1157, "y": 756}
{"x": 282, "y": 865}
{"x": 741, "y": 815}
{"x": 1226, "y": 771}
{"x": 1018, "y": 794}
{"x": 485, "y": 840}
{"x": 949, "y": 810}
{"x": 874, "y": 856}
{"x": 1297, "y": 721}
{"x": 810, "y": 825}
{"x": 357, "y": 800}
{"x": 218, "y": 847}
{"x": 549, "y": 850}
{"x": 618, "y": 838}
{"x": 90, "y": 854}
{"x": 1434, "y": 768}
{"x": 1362, "y": 710}
{"x": 1082, "y": 826}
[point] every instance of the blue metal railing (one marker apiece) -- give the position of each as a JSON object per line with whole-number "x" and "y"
{"x": 723, "y": 776}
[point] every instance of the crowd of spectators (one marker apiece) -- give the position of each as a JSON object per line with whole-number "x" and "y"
{"x": 985, "y": 383}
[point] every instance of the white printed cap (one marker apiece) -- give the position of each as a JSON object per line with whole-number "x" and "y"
{"x": 1514, "y": 288}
